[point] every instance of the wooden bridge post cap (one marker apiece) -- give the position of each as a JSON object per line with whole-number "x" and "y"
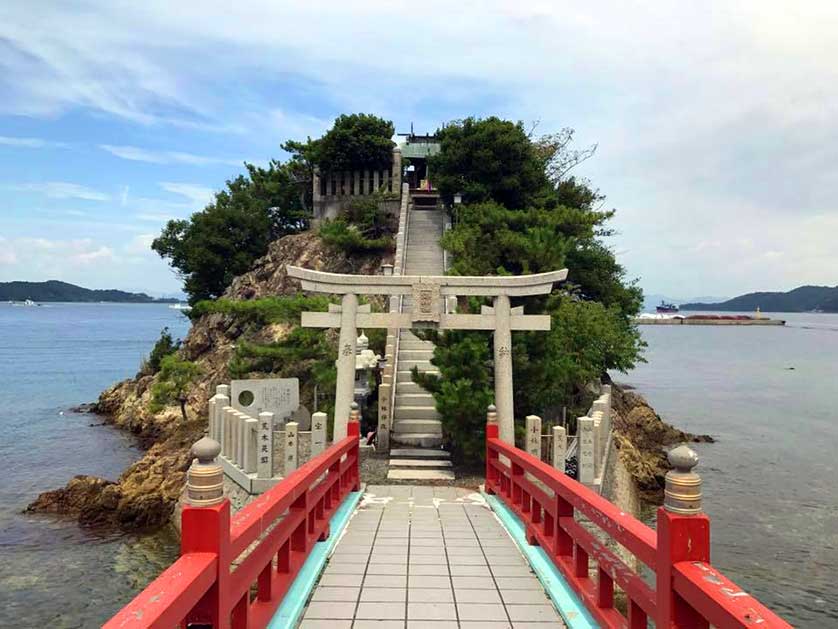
{"x": 682, "y": 494}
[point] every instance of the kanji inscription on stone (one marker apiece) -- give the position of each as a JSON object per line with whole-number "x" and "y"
{"x": 426, "y": 302}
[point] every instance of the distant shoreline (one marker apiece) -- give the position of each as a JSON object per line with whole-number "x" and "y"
{"x": 53, "y": 291}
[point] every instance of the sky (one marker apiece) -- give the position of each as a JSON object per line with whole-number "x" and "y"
{"x": 716, "y": 123}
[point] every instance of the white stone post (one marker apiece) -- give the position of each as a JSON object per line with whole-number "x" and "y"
{"x": 264, "y": 464}
{"x": 227, "y": 444}
{"x": 585, "y": 430}
{"x": 534, "y": 436}
{"x": 345, "y": 387}
{"x": 396, "y": 176}
{"x": 503, "y": 369}
{"x": 559, "y": 447}
{"x": 375, "y": 180}
{"x": 356, "y": 188}
{"x": 222, "y": 399}
{"x": 384, "y": 390}
{"x": 599, "y": 443}
{"x": 251, "y": 447}
{"x": 290, "y": 447}
{"x": 318, "y": 433}
{"x": 242, "y": 431}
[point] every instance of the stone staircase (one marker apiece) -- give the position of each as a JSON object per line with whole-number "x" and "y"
{"x": 416, "y": 424}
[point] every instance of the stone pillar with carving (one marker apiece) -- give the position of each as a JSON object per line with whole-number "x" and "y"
{"x": 503, "y": 369}
{"x": 396, "y": 176}
{"x": 345, "y": 387}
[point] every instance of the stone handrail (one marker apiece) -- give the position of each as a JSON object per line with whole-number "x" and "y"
{"x": 387, "y": 392}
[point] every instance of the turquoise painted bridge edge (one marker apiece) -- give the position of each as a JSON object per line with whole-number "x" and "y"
{"x": 291, "y": 610}
{"x": 570, "y": 607}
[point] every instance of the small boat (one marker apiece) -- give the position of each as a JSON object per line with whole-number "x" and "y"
{"x": 667, "y": 308}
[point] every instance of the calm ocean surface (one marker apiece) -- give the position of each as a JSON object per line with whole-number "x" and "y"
{"x": 769, "y": 482}
{"x": 52, "y": 573}
{"x": 768, "y": 395}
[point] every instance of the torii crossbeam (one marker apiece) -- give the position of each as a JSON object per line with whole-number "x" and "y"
{"x": 427, "y": 311}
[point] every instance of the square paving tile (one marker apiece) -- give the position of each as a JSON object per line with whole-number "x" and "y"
{"x": 525, "y": 597}
{"x": 473, "y": 583}
{"x": 430, "y": 595}
{"x": 336, "y": 594}
{"x": 383, "y": 595}
{"x": 512, "y": 571}
{"x": 326, "y": 624}
{"x": 532, "y": 613}
{"x": 518, "y": 583}
{"x": 463, "y": 570}
{"x": 378, "y": 624}
{"x": 438, "y": 570}
{"x": 431, "y": 611}
{"x": 340, "y": 580}
{"x": 329, "y": 609}
{"x": 477, "y": 596}
{"x": 428, "y": 581}
{"x": 481, "y": 611}
{"x": 385, "y": 581}
{"x": 381, "y": 611}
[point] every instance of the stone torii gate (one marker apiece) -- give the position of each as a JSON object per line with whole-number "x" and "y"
{"x": 427, "y": 311}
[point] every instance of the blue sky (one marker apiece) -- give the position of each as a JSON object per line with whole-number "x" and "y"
{"x": 717, "y": 123}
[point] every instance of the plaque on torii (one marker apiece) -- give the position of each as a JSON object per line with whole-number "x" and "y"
{"x": 428, "y": 295}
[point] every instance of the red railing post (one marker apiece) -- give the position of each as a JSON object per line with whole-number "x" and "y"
{"x": 683, "y": 535}
{"x": 353, "y": 429}
{"x": 492, "y": 432}
{"x": 205, "y": 527}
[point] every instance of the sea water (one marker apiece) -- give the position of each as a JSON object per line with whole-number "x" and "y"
{"x": 54, "y": 573}
{"x": 770, "y": 482}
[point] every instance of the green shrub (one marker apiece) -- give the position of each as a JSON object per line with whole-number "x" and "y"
{"x": 172, "y": 383}
{"x": 262, "y": 311}
{"x": 164, "y": 346}
{"x": 341, "y": 236}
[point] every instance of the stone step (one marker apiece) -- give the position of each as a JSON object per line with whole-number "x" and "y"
{"x": 409, "y": 388}
{"x": 415, "y": 413}
{"x": 416, "y": 440}
{"x": 420, "y": 475}
{"x": 421, "y": 425}
{"x": 414, "y": 344}
{"x": 416, "y": 354}
{"x": 419, "y": 453}
{"x": 420, "y": 463}
{"x": 406, "y": 376}
{"x": 407, "y": 365}
{"x": 415, "y": 399}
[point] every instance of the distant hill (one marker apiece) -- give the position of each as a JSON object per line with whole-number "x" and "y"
{"x": 53, "y": 290}
{"x": 802, "y": 299}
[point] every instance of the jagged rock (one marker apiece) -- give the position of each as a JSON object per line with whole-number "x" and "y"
{"x": 643, "y": 439}
{"x": 146, "y": 493}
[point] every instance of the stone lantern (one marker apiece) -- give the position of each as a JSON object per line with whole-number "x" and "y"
{"x": 366, "y": 361}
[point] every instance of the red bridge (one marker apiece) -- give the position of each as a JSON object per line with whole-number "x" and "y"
{"x": 258, "y": 568}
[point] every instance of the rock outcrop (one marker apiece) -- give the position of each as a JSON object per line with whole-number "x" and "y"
{"x": 643, "y": 439}
{"x": 146, "y": 493}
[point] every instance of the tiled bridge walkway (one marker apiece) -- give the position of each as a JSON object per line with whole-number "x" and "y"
{"x": 429, "y": 557}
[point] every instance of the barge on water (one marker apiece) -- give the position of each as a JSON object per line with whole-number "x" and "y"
{"x": 708, "y": 319}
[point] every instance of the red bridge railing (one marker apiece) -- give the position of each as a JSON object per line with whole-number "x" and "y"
{"x": 202, "y": 587}
{"x": 688, "y": 591}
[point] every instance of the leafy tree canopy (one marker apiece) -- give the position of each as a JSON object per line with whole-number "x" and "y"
{"x": 354, "y": 141}
{"x": 488, "y": 159}
{"x": 173, "y": 381}
{"x": 220, "y": 242}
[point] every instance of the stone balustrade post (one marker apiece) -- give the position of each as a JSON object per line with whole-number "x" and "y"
{"x": 384, "y": 411}
{"x": 205, "y": 478}
{"x": 318, "y": 433}
{"x": 345, "y": 387}
{"x": 599, "y": 443}
{"x": 265, "y": 454}
{"x": 559, "y": 447}
{"x": 291, "y": 442}
{"x": 533, "y": 438}
{"x": 585, "y": 436}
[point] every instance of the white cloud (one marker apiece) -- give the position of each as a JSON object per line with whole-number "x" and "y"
{"x": 61, "y": 190}
{"x": 30, "y": 143}
{"x": 198, "y": 195}
{"x": 712, "y": 118}
{"x": 137, "y": 154}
